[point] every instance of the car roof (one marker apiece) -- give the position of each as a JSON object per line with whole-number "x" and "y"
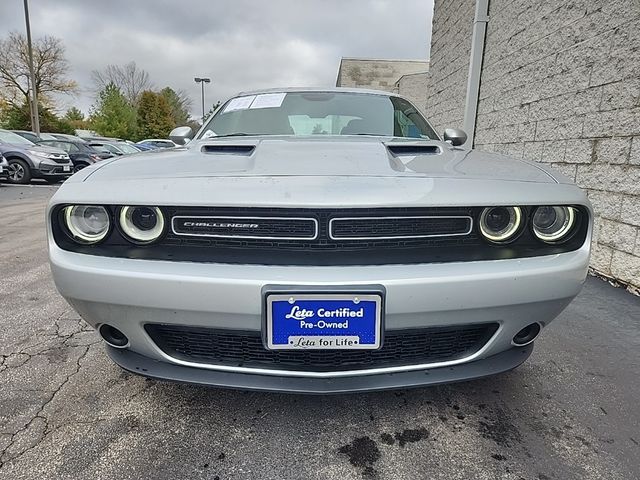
{"x": 319, "y": 90}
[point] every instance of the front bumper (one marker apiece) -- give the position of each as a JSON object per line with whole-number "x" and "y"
{"x": 49, "y": 171}
{"x": 128, "y": 293}
{"x": 148, "y": 367}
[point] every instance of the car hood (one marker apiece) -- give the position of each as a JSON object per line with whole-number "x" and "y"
{"x": 11, "y": 147}
{"x": 343, "y": 156}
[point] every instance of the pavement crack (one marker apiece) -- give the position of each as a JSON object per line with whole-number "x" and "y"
{"x": 4, "y": 456}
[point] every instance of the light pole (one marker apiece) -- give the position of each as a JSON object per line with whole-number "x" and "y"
{"x": 34, "y": 93}
{"x": 201, "y": 81}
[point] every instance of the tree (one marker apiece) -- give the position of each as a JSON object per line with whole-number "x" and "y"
{"x": 154, "y": 116}
{"x": 74, "y": 114}
{"x": 76, "y": 118}
{"x": 129, "y": 79}
{"x": 112, "y": 115}
{"x": 179, "y": 104}
{"x": 212, "y": 110}
{"x": 19, "y": 118}
{"x": 50, "y": 66}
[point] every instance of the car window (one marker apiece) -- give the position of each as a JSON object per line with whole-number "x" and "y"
{"x": 63, "y": 145}
{"x": 407, "y": 120}
{"x": 29, "y": 136}
{"x": 109, "y": 148}
{"x": 126, "y": 148}
{"x": 318, "y": 113}
{"x": 10, "y": 137}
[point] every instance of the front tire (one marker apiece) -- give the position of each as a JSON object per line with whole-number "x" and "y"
{"x": 79, "y": 166}
{"x": 18, "y": 172}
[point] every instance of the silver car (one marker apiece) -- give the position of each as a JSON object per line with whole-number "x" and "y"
{"x": 4, "y": 165}
{"x": 319, "y": 241}
{"x": 28, "y": 160}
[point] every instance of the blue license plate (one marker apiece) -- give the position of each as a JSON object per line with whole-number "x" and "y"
{"x": 323, "y": 321}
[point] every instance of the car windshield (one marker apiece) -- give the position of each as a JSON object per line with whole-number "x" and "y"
{"x": 318, "y": 113}
{"x": 126, "y": 148}
{"x": 10, "y": 137}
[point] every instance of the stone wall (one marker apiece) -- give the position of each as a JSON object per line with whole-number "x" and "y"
{"x": 413, "y": 86}
{"x": 376, "y": 74}
{"x": 560, "y": 84}
{"x": 449, "y": 62}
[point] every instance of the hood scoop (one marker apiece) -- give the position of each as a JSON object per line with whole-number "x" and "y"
{"x": 245, "y": 150}
{"x": 413, "y": 150}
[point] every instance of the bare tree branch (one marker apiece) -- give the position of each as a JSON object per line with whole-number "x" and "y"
{"x": 131, "y": 80}
{"x": 50, "y": 66}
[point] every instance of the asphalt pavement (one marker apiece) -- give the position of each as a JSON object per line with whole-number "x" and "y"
{"x": 570, "y": 412}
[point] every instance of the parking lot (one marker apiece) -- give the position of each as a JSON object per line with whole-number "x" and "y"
{"x": 66, "y": 411}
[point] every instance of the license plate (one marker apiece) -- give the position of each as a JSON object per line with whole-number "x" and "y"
{"x": 323, "y": 321}
{"x": 66, "y": 168}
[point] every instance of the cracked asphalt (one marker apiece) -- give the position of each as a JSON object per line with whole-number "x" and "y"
{"x": 570, "y": 412}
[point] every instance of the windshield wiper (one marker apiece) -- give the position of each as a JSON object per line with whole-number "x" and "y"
{"x": 238, "y": 134}
{"x": 371, "y": 134}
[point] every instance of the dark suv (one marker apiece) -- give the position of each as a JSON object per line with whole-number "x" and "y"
{"x": 81, "y": 153}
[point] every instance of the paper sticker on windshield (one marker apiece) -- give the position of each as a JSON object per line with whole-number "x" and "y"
{"x": 240, "y": 103}
{"x": 268, "y": 100}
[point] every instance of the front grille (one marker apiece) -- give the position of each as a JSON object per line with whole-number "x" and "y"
{"x": 60, "y": 159}
{"x": 245, "y": 349}
{"x": 323, "y": 241}
{"x": 324, "y": 237}
{"x": 277, "y": 228}
{"x": 355, "y": 228}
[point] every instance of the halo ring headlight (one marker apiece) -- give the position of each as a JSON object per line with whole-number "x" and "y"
{"x": 500, "y": 224}
{"x": 142, "y": 224}
{"x": 87, "y": 224}
{"x": 553, "y": 223}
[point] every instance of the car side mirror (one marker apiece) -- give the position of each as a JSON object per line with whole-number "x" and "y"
{"x": 455, "y": 136}
{"x": 181, "y": 135}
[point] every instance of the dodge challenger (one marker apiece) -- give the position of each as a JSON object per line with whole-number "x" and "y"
{"x": 320, "y": 241}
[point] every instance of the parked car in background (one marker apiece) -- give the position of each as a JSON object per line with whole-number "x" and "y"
{"x": 320, "y": 241}
{"x": 159, "y": 142}
{"x": 102, "y": 139}
{"x": 82, "y": 154}
{"x": 147, "y": 146}
{"x": 115, "y": 148}
{"x": 65, "y": 136}
{"x": 28, "y": 160}
{"x": 32, "y": 136}
{"x": 4, "y": 166}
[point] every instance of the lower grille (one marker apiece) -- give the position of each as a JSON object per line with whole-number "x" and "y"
{"x": 399, "y": 227}
{"x": 245, "y": 349}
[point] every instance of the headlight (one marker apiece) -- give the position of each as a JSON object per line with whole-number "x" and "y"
{"x": 44, "y": 154}
{"x": 87, "y": 223}
{"x": 500, "y": 224}
{"x": 38, "y": 154}
{"x": 552, "y": 224}
{"x": 142, "y": 224}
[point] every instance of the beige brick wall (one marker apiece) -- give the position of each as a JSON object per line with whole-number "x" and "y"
{"x": 414, "y": 87}
{"x": 560, "y": 85}
{"x": 376, "y": 74}
{"x": 449, "y": 62}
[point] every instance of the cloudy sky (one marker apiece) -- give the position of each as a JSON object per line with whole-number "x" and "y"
{"x": 240, "y": 44}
